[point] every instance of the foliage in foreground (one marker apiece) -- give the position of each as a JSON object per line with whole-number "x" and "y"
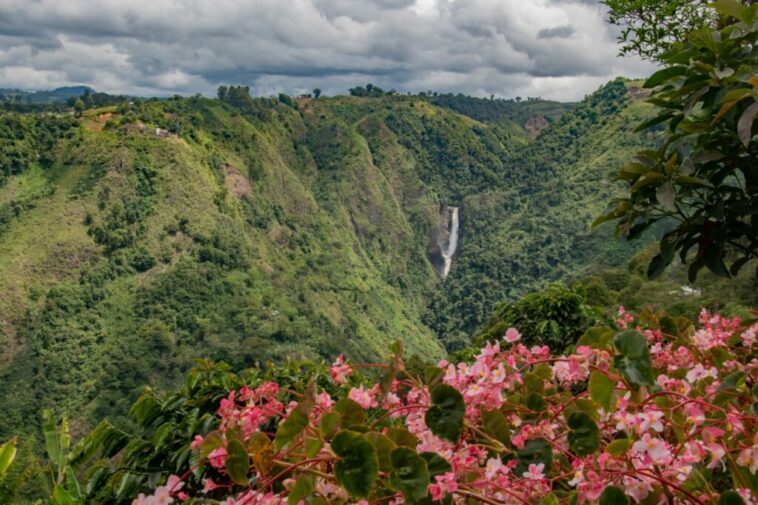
{"x": 702, "y": 181}
{"x": 657, "y": 410}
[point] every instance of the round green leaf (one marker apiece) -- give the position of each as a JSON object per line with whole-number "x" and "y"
{"x": 618, "y": 447}
{"x": 534, "y": 452}
{"x": 445, "y": 416}
{"x": 613, "y": 496}
{"x": 495, "y": 425}
{"x": 731, "y": 497}
{"x": 584, "y": 437}
{"x": 601, "y": 390}
{"x": 410, "y": 474}
{"x": 358, "y": 467}
{"x": 237, "y": 462}
{"x": 403, "y": 437}
{"x": 634, "y": 360}
{"x": 436, "y": 464}
{"x": 384, "y": 447}
{"x": 351, "y": 413}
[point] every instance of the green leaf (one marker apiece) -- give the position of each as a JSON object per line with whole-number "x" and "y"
{"x": 664, "y": 75}
{"x": 330, "y": 424}
{"x": 62, "y": 497}
{"x": 72, "y": 485}
{"x": 410, "y": 474}
{"x": 654, "y": 121}
{"x": 731, "y": 497}
{"x": 731, "y": 8}
{"x": 597, "y": 336}
{"x": 634, "y": 360}
{"x": 732, "y": 381}
{"x": 695, "y": 482}
{"x": 403, "y": 437}
{"x": 293, "y": 426}
{"x": 358, "y": 467}
{"x": 550, "y": 499}
{"x": 52, "y": 442}
{"x": 313, "y": 445}
{"x": 445, "y": 416}
{"x": 237, "y": 462}
{"x": 657, "y": 267}
{"x": 601, "y": 390}
{"x": 584, "y": 437}
{"x": 351, "y": 413}
{"x": 745, "y": 124}
{"x": 714, "y": 260}
{"x": 618, "y": 447}
{"x": 534, "y": 452}
{"x": 384, "y": 447}
{"x": 7, "y": 455}
{"x": 495, "y": 425}
{"x": 302, "y": 489}
{"x": 612, "y": 495}
{"x": 536, "y": 402}
{"x": 433, "y": 375}
{"x": 436, "y": 464}
{"x": 261, "y": 449}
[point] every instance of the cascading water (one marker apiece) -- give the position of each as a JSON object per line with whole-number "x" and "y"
{"x": 448, "y": 242}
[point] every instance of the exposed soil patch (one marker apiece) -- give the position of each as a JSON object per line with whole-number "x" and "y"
{"x": 637, "y": 93}
{"x": 534, "y": 126}
{"x": 236, "y": 182}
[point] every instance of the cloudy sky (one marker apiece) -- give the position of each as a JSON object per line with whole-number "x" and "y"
{"x": 560, "y": 49}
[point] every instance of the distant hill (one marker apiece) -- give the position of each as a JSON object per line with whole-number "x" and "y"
{"x": 152, "y": 232}
{"x": 45, "y": 97}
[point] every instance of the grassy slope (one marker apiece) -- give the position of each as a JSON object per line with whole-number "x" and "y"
{"x": 267, "y": 232}
{"x": 309, "y": 262}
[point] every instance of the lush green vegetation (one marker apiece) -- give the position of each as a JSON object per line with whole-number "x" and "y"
{"x": 146, "y": 234}
{"x": 701, "y": 183}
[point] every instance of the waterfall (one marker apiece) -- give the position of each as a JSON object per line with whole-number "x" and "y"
{"x": 447, "y": 248}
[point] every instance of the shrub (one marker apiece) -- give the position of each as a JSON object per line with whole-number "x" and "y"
{"x": 661, "y": 410}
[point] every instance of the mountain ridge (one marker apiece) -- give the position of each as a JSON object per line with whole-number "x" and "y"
{"x": 152, "y": 233}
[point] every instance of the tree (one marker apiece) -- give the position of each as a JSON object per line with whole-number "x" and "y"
{"x": 316, "y": 92}
{"x": 223, "y": 92}
{"x": 702, "y": 183}
{"x": 78, "y": 107}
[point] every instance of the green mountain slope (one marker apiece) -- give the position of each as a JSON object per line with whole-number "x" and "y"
{"x": 536, "y": 228}
{"x": 150, "y": 234}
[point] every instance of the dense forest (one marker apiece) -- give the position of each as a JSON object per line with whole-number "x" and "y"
{"x": 202, "y": 260}
{"x": 246, "y": 230}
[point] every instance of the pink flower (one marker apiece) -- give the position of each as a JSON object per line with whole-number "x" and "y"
{"x": 699, "y": 372}
{"x": 197, "y": 442}
{"x": 363, "y": 397}
{"x": 494, "y": 465}
{"x": 652, "y": 449}
{"x": 217, "y": 457}
{"x": 650, "y": 420}
{"x": 535, "y": 472}
{"x": 512, "y": 335}
{"x": 340, "y": 371}
{"x": 749, "y": 458}
{"x": 445, "y": 484}
{"x": 208, "y": 486}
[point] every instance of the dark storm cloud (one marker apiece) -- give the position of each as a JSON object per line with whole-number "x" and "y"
{"x": 560, "y": 49}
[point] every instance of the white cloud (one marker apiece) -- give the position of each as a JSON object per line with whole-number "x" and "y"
{"x": 556, "y": 49}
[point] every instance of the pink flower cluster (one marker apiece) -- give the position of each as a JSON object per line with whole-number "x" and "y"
{"x": 654, "y": 442}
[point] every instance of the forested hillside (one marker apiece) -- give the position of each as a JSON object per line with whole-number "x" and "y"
{"x": 143, "y": 235}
